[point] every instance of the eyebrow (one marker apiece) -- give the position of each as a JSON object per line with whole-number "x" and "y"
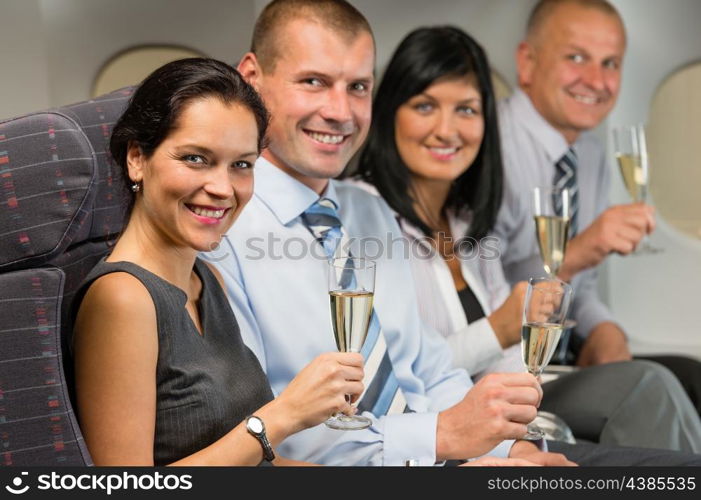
{"x": 429, "y": 96}
{"x": 195, "y": 147}
{"x": 310, "y": 73}
{"x": 365, "y": 80}
{"x": 207, "y": 151}
{"x": 571, "y": 46}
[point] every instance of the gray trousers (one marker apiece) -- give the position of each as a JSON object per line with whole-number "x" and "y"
{"x": 633, "y": 403}
{"x": 590, "y": 454}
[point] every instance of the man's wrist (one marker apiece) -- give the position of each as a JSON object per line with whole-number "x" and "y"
{"x": 443, "y": 438}
{"x": 564, "y": 274}
{"x": 568, "y": 270}
{"x": 521, "y": 448}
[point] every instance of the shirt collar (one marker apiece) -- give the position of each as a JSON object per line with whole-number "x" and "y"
{"x": 284, "y": 195}
{"x": 553, "y": 142}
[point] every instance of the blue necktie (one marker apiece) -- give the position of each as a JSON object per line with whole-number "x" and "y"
{"x": 382, "y": 392}
{"x": 566, "y": 178}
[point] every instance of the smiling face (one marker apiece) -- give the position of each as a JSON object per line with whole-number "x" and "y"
{"x": 200, "y": 177}
{"x": 439, "y": 132}
{"x": 571, "y": 68}
{"x": 319, "y": 96}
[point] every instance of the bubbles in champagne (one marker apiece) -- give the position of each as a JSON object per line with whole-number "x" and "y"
{"x": 538, "y": 341}
{"x": 350, "y": 313}
{"x": 633, "y": 175}
{"x": 552, "y": 233}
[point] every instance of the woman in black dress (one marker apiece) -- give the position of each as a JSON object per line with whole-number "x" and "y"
{"x": 162, "y": 374}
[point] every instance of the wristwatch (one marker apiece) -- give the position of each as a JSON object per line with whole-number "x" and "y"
{"x": 256, "y": 428}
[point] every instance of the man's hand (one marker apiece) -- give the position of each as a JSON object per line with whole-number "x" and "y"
{"x": 528, "y": 451}
{"x": 619, "y": 229}
{"x": 605, "y": 344}
{"x": 498, "y": 407}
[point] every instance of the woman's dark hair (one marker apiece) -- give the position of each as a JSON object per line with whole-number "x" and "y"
{"x": 157, "y": 103}
{"x": 424, "y": 56}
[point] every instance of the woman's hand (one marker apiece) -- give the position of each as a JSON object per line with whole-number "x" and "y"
{"x": 506, "y": 320}
{"x": 320, "y": 389}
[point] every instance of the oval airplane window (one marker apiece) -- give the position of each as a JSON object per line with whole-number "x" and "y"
{"x": 502, "y": 89}
{"x": 674, "y": 142}
{"x": 131, "y": 66}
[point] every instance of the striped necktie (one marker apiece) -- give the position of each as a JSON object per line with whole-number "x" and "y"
{"x": 382, "y": 394}
{"x": 566, "y": 178}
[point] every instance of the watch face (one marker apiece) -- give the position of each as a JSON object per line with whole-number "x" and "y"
{"x": 255, "y": 425}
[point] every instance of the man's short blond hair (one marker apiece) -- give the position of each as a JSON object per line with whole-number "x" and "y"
{"x": 544, "y": 9}
{"x": 337, "y": 15}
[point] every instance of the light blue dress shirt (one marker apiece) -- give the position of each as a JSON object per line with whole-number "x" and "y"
{"x": 530, "y": 149}
{"x": 275, "y": 274}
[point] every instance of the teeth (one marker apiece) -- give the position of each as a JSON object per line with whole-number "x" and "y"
{"x": 585, "y": 99}
{"x": 214, "y": 214}
{"x": 444, "y": 151}
{"x": 326, "y": 138}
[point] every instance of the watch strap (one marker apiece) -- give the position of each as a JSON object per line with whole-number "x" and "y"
{"x": 262, "y": 438}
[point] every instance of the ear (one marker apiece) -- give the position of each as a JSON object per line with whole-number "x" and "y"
{"x": 525, "y": 63}
{"x": 250, "y": 69}
{"x": 136, "y": 161}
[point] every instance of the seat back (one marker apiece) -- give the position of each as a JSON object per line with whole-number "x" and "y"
{"x": 62, "y": 205}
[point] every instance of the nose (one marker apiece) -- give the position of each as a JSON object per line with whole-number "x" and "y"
{"x": 593, "y": 76}
{"x": 337, "y": 106}
{"x": 219, "y": 183}
{"x": 445, "y": 128}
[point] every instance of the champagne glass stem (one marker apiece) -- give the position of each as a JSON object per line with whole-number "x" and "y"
{"x": 533, "y": 432}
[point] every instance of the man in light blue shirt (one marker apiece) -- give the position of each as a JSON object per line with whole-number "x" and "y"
{"x": 279, "y": 289}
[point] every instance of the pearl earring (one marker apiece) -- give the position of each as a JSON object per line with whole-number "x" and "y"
{"x": 135, "y": 187}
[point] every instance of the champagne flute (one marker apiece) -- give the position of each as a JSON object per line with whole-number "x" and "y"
{"x": 351, "y": 292}
{"x": 544, "y": 315}
{"x": 552, "y": 212}
{"x": 631, "y": 154}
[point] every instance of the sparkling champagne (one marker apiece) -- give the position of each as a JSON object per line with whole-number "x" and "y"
{"x": 551, "y": 233}
{"x": 350, "y": 313}
{"x": 538, "y": 341}
{"x": 633, "y": 175}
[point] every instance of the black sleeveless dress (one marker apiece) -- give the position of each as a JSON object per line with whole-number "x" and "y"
{"x": 206, "y": 384}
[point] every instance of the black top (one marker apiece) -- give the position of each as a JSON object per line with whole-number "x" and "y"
{"x": 206, "y": 384}
{"x": 473, "y": 309}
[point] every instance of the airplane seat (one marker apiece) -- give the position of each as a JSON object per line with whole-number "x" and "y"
{"x": 62, "y": 205}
